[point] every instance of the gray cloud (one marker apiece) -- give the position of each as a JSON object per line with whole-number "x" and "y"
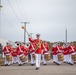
{"x": 47, "y": 17}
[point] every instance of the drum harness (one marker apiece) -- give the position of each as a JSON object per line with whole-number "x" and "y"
{"x": 7, "y": 50}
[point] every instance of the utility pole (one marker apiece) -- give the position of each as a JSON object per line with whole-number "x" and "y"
{"x": 66, "y": 34}
{"x": 25, "y": 31}
{"x": 0, "y": 17}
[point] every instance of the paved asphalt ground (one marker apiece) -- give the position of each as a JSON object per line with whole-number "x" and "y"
{"x": 49, "y": 69}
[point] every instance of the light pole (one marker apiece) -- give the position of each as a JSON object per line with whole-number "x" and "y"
{"x": 0, "y": 16}
{"x": 66, "y": 34}
{"x": 25, "y": 31}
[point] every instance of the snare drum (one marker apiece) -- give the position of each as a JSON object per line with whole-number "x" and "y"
{"x": 22, "y": 58}
{"x": 9, "y": 57}
{"x": 74, "y": 57}
{"x": 60, "y": 57}
{"x": 47, "y": 56}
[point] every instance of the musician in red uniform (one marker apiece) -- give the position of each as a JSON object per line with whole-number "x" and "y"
{"x": 71, "y": 52}
{"x": 7, "y": 51}
{"x": 65, "y": 52}
{"x": 54, "y": 52}
{"x": 45, "y": 51}
{"x": 20, "y": 52}
{"x": 38, "y": 49}
{"x": 60, "y": 51}
{"x": 14, "y": 56}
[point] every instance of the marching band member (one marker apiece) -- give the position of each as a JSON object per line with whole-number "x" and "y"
{"x": 38, "y": 49}
{"x": 32, "y": 53}
{"x": 7, "y": 54}
{"x": 71, "y": 52}
{"x": 14, "y": 56}
{"x": 20, "y": 52}
{"x": 65, "y": 52}
{"x": 54, "y": 52}
{"x": 60, "y": 52}
{"x": 45, "y": 50}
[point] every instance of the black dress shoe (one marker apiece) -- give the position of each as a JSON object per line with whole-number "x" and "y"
{"x": 71, "y": 64}
{"x": 64, "y": 62}
{"x": 37, "y": 68}
{"x": 54, "y": 62}
{"x": 6, "y": 65}
{"x": 32, "y": 64}
{"x": 57, "y": 63}
{"x": 20, "y": 64}
{"x": 44, "y": 64}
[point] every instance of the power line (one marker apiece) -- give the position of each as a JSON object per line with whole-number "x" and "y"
{"x": 23, "y": 8}
{"x": 8, "y": 22}
{"x": 19, "y": 9}
{"x": 13, "y": 10}
{"x": 6, "y": 19}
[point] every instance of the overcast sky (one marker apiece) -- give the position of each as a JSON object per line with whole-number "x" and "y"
{"x": 50, "y": 18}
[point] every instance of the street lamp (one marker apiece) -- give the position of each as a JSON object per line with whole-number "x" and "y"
{"x": 25, "y": 31}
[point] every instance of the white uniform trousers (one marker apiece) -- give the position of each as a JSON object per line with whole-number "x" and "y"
{"x": 32, "y": 59}
{"x": 19, "y": 61}
{"x": 70, "y": 59}
{"x": 43, "y": 59}
{"x": 57, "y": 61}
{"x": 68, "y": 56}
{"x": 14, "y": 59}
{"x": 54, "y": 58}
{"x": 38, "y": 59}
{"x": 65, "y": 58}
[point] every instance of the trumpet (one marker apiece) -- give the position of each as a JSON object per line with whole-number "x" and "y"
{"x": 26, "y": 31}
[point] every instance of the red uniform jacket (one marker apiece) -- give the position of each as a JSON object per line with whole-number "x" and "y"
{"x": 65, "y": 50}
{"x": 7, "y": 50}
{"x": 71, "y": 49}
{"x": 46, "y": 48}
{"x": 59, "y": 48}
{"x": 20, "y": 50}
{"x": 32, "y": 48}
{"x": 14, "y": 52}
{"x": 54, "y": 51}
{"x": 36, "y": 41}
{"x": 26, "y": 51}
